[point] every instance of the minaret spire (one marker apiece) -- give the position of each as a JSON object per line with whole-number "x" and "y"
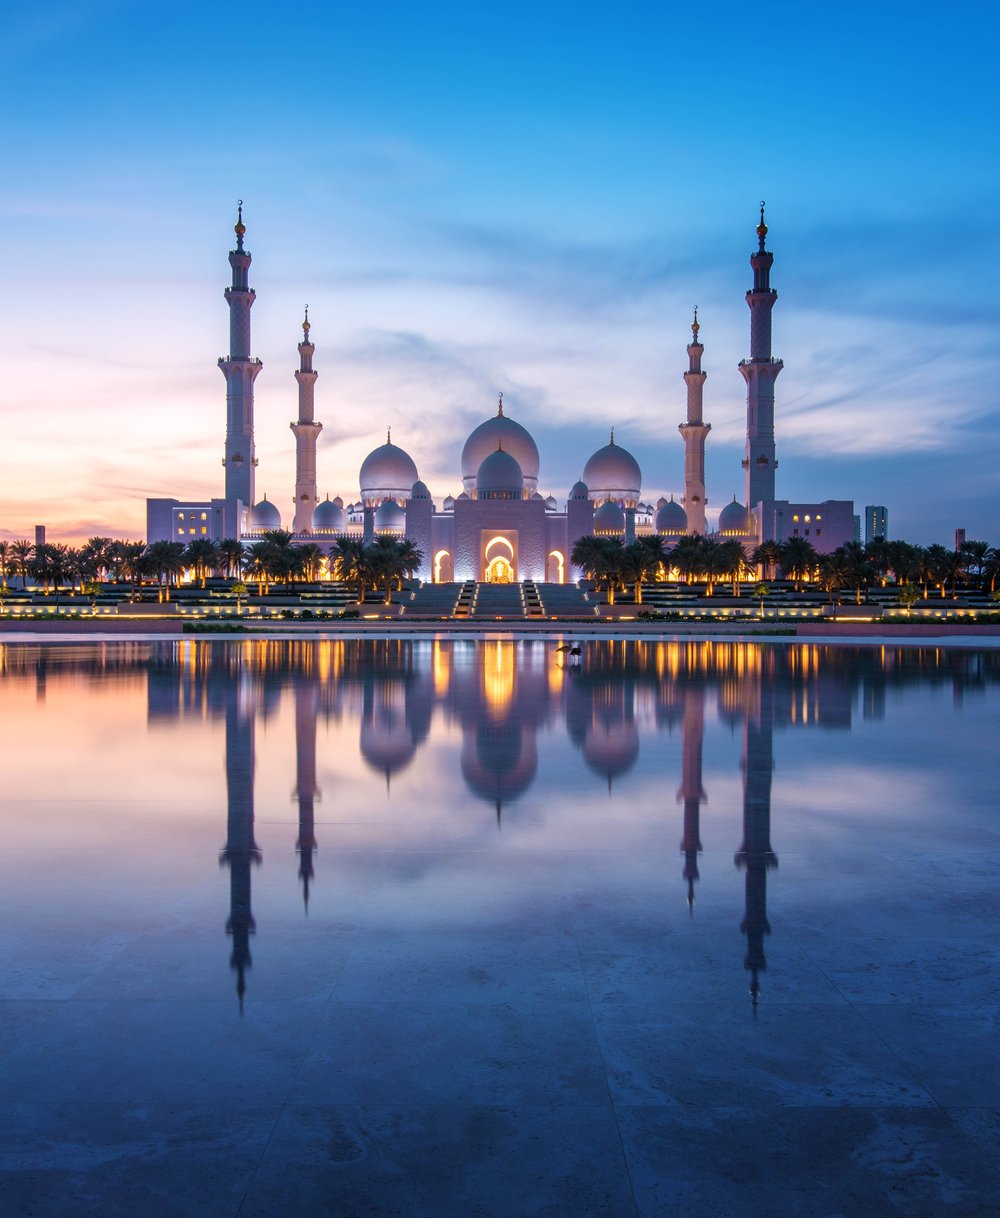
{"x": 694, "y": 431}
{"x": 760, "y": 372}
{"x": 306, "y": 788}
{"x": 306, "y": 431}
{"x": 240, "y": 370}
{"x": 691, "y": 790}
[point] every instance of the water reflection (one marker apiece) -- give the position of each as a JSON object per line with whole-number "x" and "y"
{"x": 484, "y": 709}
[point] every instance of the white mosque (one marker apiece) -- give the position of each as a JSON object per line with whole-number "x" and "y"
{"x": 500, "y": 528}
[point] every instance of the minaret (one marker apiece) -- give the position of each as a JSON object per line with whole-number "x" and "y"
{"x": 691, "y": 790}
{"x": 240, "y": 370}
{"x": 694, "y": 432}
{"x": 760, "y": 372}
{"x": 306, "y": 790}
{"x": 306, "y": 434}
{"x": 240, "y": 852}
{"x": 755, "y": 854}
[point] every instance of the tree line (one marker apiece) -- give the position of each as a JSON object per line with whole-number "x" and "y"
{"x": 614, "y": 566}
{"x": 379, "y": 564}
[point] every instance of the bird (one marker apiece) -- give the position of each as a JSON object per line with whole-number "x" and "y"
{"x": 575, "y": 651}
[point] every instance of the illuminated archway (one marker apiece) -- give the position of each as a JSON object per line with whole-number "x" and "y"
{"x": 497, "y": 542}
{"x": 444, "y": 568}
{"x": 556, "y": 568}
{"x": 499, "y": 571}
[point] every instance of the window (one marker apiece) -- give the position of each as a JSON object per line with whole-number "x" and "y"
{"x": 795, "y": 519}
{"x": 807, "y": 520}
{"x": 818, "y": 531}
{"x": 180, "y": 530}
{"x": 818, "y": 516}
{"x": 204, "y": 530}
{"x": 204, "y": 515}
{"x": 795, "y": 532}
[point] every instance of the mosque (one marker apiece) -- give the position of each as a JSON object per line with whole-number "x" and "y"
{"x": 500, "y": 528}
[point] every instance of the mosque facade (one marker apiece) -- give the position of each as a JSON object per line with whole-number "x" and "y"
{"x": 500, "y": 527}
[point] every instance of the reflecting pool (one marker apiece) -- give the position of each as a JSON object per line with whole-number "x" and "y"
{"x": 459, "y": 927}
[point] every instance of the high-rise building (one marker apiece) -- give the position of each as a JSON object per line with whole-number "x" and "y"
{"x": 876, "y": 523}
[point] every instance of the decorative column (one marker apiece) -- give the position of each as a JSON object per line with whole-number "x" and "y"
{"x": 306, "y": 431}
{"x": 240, "y": 370}
{"x": 694, "y": 431}
{"x": 760, "y": 372}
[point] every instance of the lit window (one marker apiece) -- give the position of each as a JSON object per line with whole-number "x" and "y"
{"x": 181, "y": 531}
{"x": 796, "y": 519}
{"x": 204, "y": 516}
{"x": 204, "y": 530}
{"x": 818, "y": 516}
{"x": 807, "y": 520}
{"x": 191, "y": 531}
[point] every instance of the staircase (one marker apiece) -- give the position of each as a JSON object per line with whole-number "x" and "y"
{"x": 435, "y": 600}
{"x": 498, "y": 601}
{"x": 564, "y": 600}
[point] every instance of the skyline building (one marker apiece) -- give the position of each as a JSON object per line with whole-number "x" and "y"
{"x": 876, "y": 522}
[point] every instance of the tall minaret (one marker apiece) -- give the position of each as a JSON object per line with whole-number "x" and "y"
{"x": 760, "y": 372}
{"x": 306, "y": 434}
{"x": 694, "y": 432}
{"x": 691, "y": 790}
{"x": 240, "y": 370}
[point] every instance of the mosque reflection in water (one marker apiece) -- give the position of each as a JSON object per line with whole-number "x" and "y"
{"x": 500, "y": 696}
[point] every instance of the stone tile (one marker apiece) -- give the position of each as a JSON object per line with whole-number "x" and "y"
{"x": 953, "y": 1050}
{"x": 405, "y": 1053}
{"x": 443, "y": 1161}
{"x": 710, "y": 1055}
{"x": 55, "y": 964}
{"x": 475, "y": 966}
{"x": 161, "y": 1052}
{"x": 195, "y": 966}
{"x": 104, "y": 1160}
{"x": 805, "y": 1163}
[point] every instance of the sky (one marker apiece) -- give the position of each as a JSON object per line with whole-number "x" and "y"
{"x": 527, "y": 198}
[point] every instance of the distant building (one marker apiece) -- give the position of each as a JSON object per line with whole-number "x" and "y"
{"x": 857, "y": 529}
{"x": 959, "y": 539}
{"x": 876, "y": 523}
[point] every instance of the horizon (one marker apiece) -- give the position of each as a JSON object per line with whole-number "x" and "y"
{"x": 539, "y": 223}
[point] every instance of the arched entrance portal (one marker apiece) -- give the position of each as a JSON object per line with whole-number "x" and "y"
{"x": 444, "y": 568}
{"x": 499, "y": 571}
{"x": 555, "y": 571}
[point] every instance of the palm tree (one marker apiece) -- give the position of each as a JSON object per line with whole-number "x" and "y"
{"x": 259, "y": 563}
{"x": 909, "y": 594}
{"x": 920, "y": 567}
{"x": 21, "y": 554}
{"x": 411, "y": 557}
{"x": 834, "y": 573}
{"x": 715, "y": 562}
{"x": 798, "y": 559}
{"x": 991, "y": 568}
{"x": 878, "y": 557}
{"x": 310, "y": 556}
{"x": 165, "y": 560}
{"x": 129, "y": 560}
{"x": 975, "y": 555}
{"x": 231, "y": 556}
{"x": 859, "y": 566}
{"x": 202, "y": 554}
{"x": 686, "y": 556}
{"x": 94, "y": 557}
{"x": 899, "y": 556}
{"x": 354, "y": 563}
{"x": 601, "y": 559}
{"x": 735, "y": 563}
{"x": 760, "y": 591}
{"x": 767, "y": 555}
{"x": 5, "y": 561}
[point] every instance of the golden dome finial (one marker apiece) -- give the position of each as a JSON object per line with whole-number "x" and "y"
{"x": 612, "y": 435}
{"x": 695, "y": 327}
{"x": 239, "y": 228}
{"x": 762, "y": 227}
{"x": 388, "y": 435}
{"x": 305, "y": 323}
{"x": 500, "y": 407}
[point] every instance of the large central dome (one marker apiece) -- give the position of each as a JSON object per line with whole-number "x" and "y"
{"x": 613, "y": 473}
{"x": 500, "y": 432}
{"x": 387, "y": 473}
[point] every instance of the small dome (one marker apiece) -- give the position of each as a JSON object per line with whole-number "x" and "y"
{"x": 387, "y": 473}
{"x": 671, "y": 518}
{"x": 464, "y": 495}
{"x": 613, "y": 473}
{"x": 419, "y": 491}
{"x": 579, "y": 491}
{"x": 264, "y": 516}
{"x": 609, "y": 518}
{"x": 495, "y": 433}
{"x": 329, "y": 517}
{"x": 734, "y": 520}
{"x": 550, "y": 503}
{"x": 338, "y": 502}
{"x": 449, "y": 502}
{"x": 499, "y": 477}
{"x": 390, "y": 518}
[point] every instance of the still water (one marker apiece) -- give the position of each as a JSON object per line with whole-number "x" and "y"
{"x": 472, "y": 927}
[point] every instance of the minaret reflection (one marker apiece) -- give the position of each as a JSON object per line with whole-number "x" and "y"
{"x": 241, "y": 851}
{"x": 306, "y": 788}
{"x": 755, "y": 855}
{"x": 691, "y": 790}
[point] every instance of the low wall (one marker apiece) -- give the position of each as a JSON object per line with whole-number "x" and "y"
{"x": 893, "y": 629}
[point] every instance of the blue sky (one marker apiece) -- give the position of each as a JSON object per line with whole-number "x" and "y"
{"x": 527, "y": 198}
